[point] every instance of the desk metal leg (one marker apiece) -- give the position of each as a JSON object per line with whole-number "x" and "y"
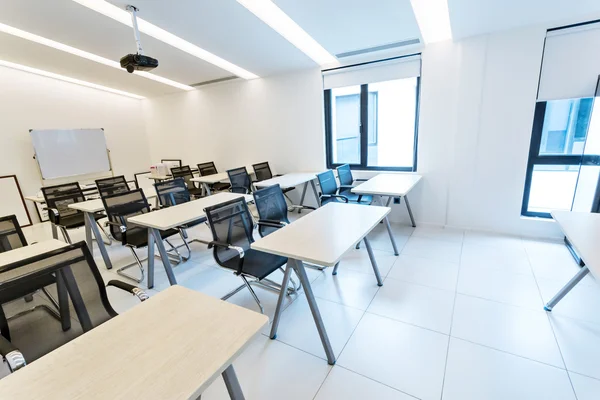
{"x": 284, "y": 284}
{"x": 314, "y": 309}
{"x": 232, "y": 384}
{"x": 335, "y": 268}
{"x": 567, "y": 288}
{"x": 88, "y": 233}
{"x": 63, "y": 303}
{"x": 163, "y": 255}
{"x": 386, "y": 220}
{"x": 373, "y": 262}
{"x": 206, "y": 188}
{"x": 150, "y": 259}
{"x": 76, "y": 298}
{"x": 54, "y": 231}
{"x": 91, "y": 223}
{"x": 410, "y": 214}
{"x": 314, "y": 188}
{"x": 303, "y": 195}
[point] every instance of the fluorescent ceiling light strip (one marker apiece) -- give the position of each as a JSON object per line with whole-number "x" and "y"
{"x": 84, "y": 54}
{"x": 272, "y": 15}
{"x": 66, "y": 79}
{"x": 433, "y": 18}
{"x": 149, "y": 29}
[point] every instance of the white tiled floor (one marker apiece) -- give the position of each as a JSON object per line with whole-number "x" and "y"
{"x": 459, "y": 317}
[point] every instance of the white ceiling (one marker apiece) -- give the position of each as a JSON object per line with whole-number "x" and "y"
{"x": 230, "y": 31}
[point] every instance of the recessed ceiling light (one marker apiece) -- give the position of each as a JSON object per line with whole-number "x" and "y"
{"x": 149, "y": 29}
{"x": 272, "y": 15}
{"x": 84, "y": 54}
{"x": 433, "y": 19}
{"x": 66, "y": 79}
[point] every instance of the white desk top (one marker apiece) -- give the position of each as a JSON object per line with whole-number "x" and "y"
{"x": 159, "y": 177}
{"x": 288, "y": 180}
{"x": 35, "y": 199}
{"x": 323, "y": 236}
{"x": 583, "y": 231}
{"x": 181, "y": 214}
{"x": 11, "y": 256}
{"x": 388, "y": 185}
{"x": 220, "y": 177}
{"x": 172, "y": 346}
{"x": 95, "y": 205}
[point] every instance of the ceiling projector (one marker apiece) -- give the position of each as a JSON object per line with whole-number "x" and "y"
{"x": 138, "y": 61}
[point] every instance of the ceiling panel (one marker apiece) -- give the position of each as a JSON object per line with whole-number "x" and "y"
{"x": 347, "y": 25}
{"x": 475, "y": 17}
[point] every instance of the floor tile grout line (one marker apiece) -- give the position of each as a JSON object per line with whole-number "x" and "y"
{"x": 379, "y": 382}
{"x": 552, "y": 326}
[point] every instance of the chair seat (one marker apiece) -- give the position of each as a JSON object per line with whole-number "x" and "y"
{"x": 220, "y": 186}
{"x": 257, "y": 264}
{"x": 76, "y": 220}
{"x": 353, "y": 198}
{"x": 195, "y": 191}
{"x": 138, "y": 237}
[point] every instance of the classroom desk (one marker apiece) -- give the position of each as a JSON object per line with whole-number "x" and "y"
{"x": 583, "y": 232}
{"x": 22, "y": 253}
{"x": 160, "y": 178}
{"x": 171, "y": 346}
{"x": 208, "y": 180}
{"x": 172, "y": 217}
{"x": 89, "y": 208}
{"x": 322, "y": 238}
{"x": 390, "y": 186}
{"x": 292, "y": 180}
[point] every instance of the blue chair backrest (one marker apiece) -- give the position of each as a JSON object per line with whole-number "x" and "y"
{"x": 327, "y": 182}
{"x": 345, "y": 175}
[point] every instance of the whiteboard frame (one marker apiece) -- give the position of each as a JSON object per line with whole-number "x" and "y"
{"x": 21, "y": 195}
{"x": 39, "y": 168}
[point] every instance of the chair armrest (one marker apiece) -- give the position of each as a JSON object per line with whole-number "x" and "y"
{"x": 331, "y": 196}
{"x": 271, "y": 223}
{"x": 346, "y": 187}
{"x": 14, "y": 358}
{"x": 53, "y": 215}
{"x": 302, "y": 207}
{"x": 240, "y": 188}
{"x": 134, "y": 290}
{"x": 227, "y": 246}
{"x": 360, "y": 180}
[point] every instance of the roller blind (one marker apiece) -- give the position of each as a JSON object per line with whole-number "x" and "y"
{"x": 571, "y": 63}
{"x": 400, "y": 68}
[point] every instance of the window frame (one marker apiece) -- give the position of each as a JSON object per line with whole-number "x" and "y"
{"x": 364, "y": 134}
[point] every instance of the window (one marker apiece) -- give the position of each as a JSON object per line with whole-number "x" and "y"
{"x": 371, "y": 116}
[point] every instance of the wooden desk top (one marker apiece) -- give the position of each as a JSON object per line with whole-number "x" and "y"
{"x": 172, "y": 346}
{"x": 583, "y": 232}
{"x": 181, "y": 214}
{"x": 388, "y": 185}
{"x": 288, "y": 180}
{"x": 325, "y": 235}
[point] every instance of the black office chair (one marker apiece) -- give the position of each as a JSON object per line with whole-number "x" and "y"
{"x": 262, "y": 171}
{"x": 121, "y": 206}
{"x": 174, "y": 192}
{"x": 330, "y": 192}
{"x": 57, "y": 199}
{"x": 208, "y": 168}
{"x": 232, "y": 227}
{"x": 116, "y": 184}
{"x": 240, "y": 180}
{"x": 83, "y": 298}
{"x": 186, "y": 173}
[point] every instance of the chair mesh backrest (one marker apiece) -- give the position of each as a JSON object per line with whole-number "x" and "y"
{"x": 184, "y": 172}
{"x": 172, "y": 192}
{"x": 38, "y": 333}
{"x": 271, "y": 205}
{"x": 120, "y": 206}
{"x": 60, "y": 196}
{"x": 207, "y": 168}
{"x": 108, "y": 186}
{"x": 262, "y": 171}
{"x": 11, "y": 235}
{"x": 327, "y": 182}
{"x": 230, "y": 223}
{"x": 240, "y": 180}
{"x": 345, "y": 175}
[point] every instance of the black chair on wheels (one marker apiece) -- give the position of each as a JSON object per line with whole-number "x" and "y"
{"x": 232, "y": 227}
{"x": 57, "y": 199}
{"x": 208, "y": 168}
{"x": 83, "y": 299}
{"x": 186, "y": 173}
{"x": 330, "y": 191}
{"x": 118, "y": 208}
{"x": 262, "y": 171}
{"x": 116, "y": 184}
{"x": 174, "y": 192}
{"x": 240, "y": 180}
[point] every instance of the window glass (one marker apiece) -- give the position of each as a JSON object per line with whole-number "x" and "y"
{"x": 345, "y": 112}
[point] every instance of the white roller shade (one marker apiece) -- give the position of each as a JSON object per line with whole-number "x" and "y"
{"x": 405, "y": 67}
{"x": 571, "y": 63}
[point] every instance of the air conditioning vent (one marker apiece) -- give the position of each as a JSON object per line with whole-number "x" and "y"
{"x": 388, "y": 46}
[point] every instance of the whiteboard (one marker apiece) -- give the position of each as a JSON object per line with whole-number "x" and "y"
{"x": 68, "y": 152}
{"x": 12, "y": 200}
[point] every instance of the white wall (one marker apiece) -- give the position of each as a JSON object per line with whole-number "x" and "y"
{"x": 477, "y": 102}
{"x": 29, "y": 101}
